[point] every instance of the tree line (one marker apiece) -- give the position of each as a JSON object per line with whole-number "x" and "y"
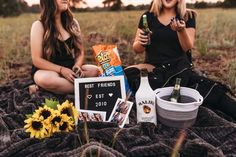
{"x": 16, "y": 7}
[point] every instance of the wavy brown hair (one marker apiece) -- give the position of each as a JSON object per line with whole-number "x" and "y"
{"x": 51, "y": 34}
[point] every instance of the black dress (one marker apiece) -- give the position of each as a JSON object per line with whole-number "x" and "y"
{"x": 61, "y": 57}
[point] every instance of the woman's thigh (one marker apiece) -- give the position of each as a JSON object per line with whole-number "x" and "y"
{"x": 53, "y": 82}
{"x": 149, "y": 67}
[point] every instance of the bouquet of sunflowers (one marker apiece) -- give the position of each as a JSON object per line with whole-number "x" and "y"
{"x": 50, "y": 118}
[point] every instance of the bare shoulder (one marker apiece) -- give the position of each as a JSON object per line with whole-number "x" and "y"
{"x": 37, "y": 26}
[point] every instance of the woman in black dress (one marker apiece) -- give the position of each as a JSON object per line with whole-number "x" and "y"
{"x": 57, "y": 49}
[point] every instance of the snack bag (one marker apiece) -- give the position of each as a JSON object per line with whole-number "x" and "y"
{"x": 108, "y": 61}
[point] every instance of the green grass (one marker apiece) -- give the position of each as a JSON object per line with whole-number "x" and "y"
{"x": 215, "y": 33}
{"x": 216, "y": 28}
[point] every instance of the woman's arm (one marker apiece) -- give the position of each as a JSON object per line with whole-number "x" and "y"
{"x": 186, "y": 36}
{"x": 139, "y": 41}
{"x": 79, "y": 57}
{"x": 36, "y": 42}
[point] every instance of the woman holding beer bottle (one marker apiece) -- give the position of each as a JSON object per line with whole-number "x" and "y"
{"x": 167, "y": 45}
{"x": 172, "y": 32}
{"x": 56, "y": 49}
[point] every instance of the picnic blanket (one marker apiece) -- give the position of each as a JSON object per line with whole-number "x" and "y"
{"x": 213, "y": 134}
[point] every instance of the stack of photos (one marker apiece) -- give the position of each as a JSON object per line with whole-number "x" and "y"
{"x": 121, "y": 112}
{"x": 93, "y": 116}
{"x": 119, "y": 115}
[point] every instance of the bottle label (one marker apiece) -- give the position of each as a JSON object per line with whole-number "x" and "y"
{"x": 146, "y": 102}
{"x": 177, "y": 87}
{"x": 146, "y": 111}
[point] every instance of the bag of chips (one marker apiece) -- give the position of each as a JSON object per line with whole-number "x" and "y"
{"x": 108, "y": 61}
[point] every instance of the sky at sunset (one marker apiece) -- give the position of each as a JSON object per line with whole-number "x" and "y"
{"x": 93, "y": 3}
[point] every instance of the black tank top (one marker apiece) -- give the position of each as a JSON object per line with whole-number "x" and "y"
{"x": 61, "y": 57}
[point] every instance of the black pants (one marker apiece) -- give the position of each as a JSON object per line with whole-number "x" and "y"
{"x": 214, "y": 93}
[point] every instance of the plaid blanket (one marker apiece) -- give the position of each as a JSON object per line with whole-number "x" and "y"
{"x": 213, "y": 134}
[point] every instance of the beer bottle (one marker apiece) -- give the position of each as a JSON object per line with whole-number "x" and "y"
{"x": 146, "y": 29}
{"x": 145, "y": 99}
{"x": 175, "y": 95}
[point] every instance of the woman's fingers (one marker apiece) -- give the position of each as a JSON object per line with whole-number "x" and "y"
{"x": 180, "y": 23}
{"x": 143, "y": 36}
{"x": 82, "y": 74}
{"x": 71, "y": 78}
{"x": 177, "y": 25}
{"x": 174, "y": 23}
{"x": 172, "y": 27}
{"x": 68, "y": 74}
{"x": 143, "y": 39}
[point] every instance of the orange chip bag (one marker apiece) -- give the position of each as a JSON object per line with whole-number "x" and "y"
{"x": 108, "y": 60}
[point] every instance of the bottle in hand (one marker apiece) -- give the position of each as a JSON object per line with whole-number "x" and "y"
{"x": 146, "y": 28}
{"x": 175, "y": 95}
{"x": 145, "y": 101}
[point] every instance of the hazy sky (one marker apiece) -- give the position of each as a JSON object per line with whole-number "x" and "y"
{"x": 93, "y": 3}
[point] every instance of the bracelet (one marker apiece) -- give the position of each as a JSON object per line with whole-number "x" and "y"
{"x": 60, "y": 70}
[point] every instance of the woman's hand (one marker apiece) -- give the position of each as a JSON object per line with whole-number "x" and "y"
{"x": 177, "y": 25}
{"x": 67, "y": 74}
{"x": 143, "y": 38}
{"x": 78, "y": 71}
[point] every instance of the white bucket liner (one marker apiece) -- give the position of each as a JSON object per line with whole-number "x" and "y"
{"x": 179, "y": 115}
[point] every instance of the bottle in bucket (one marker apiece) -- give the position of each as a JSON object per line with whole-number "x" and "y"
{"x": 145, "y": 101}
{"x": 146, "y": 28}
{"x": 175, "y": 95}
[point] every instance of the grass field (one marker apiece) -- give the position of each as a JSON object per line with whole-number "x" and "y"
{"x": 214, "y": 50}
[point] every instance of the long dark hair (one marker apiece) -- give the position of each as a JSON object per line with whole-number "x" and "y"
{"x": 50, "y": 42}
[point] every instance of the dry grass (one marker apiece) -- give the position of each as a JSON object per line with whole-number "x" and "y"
{"x": 216, "y": 35}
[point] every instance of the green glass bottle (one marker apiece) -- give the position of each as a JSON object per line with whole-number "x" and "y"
{"x": 175, "y": 95}
{"x": 146, "y": 28}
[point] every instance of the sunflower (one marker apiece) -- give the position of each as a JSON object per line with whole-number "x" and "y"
{"x": 55, "y": 121}
{"x": 36, "y": 128}
{"x": 67, "y": 124}
{"x": 68, "y": 109}
{"x": 60, "y": 122}
{"x": 43, "y": 113}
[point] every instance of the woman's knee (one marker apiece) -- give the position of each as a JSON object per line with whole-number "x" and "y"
{"x": 45, "y": 80}
{"x": 90, "y": 70}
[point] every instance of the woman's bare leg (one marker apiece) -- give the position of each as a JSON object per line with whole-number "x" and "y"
{"x": 53, "y": 82}
{"x": 149, "y": 67}
{"x": 90, "y": 70}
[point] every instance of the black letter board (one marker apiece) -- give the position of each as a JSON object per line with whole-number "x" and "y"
{"x": 99, "y": 93}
